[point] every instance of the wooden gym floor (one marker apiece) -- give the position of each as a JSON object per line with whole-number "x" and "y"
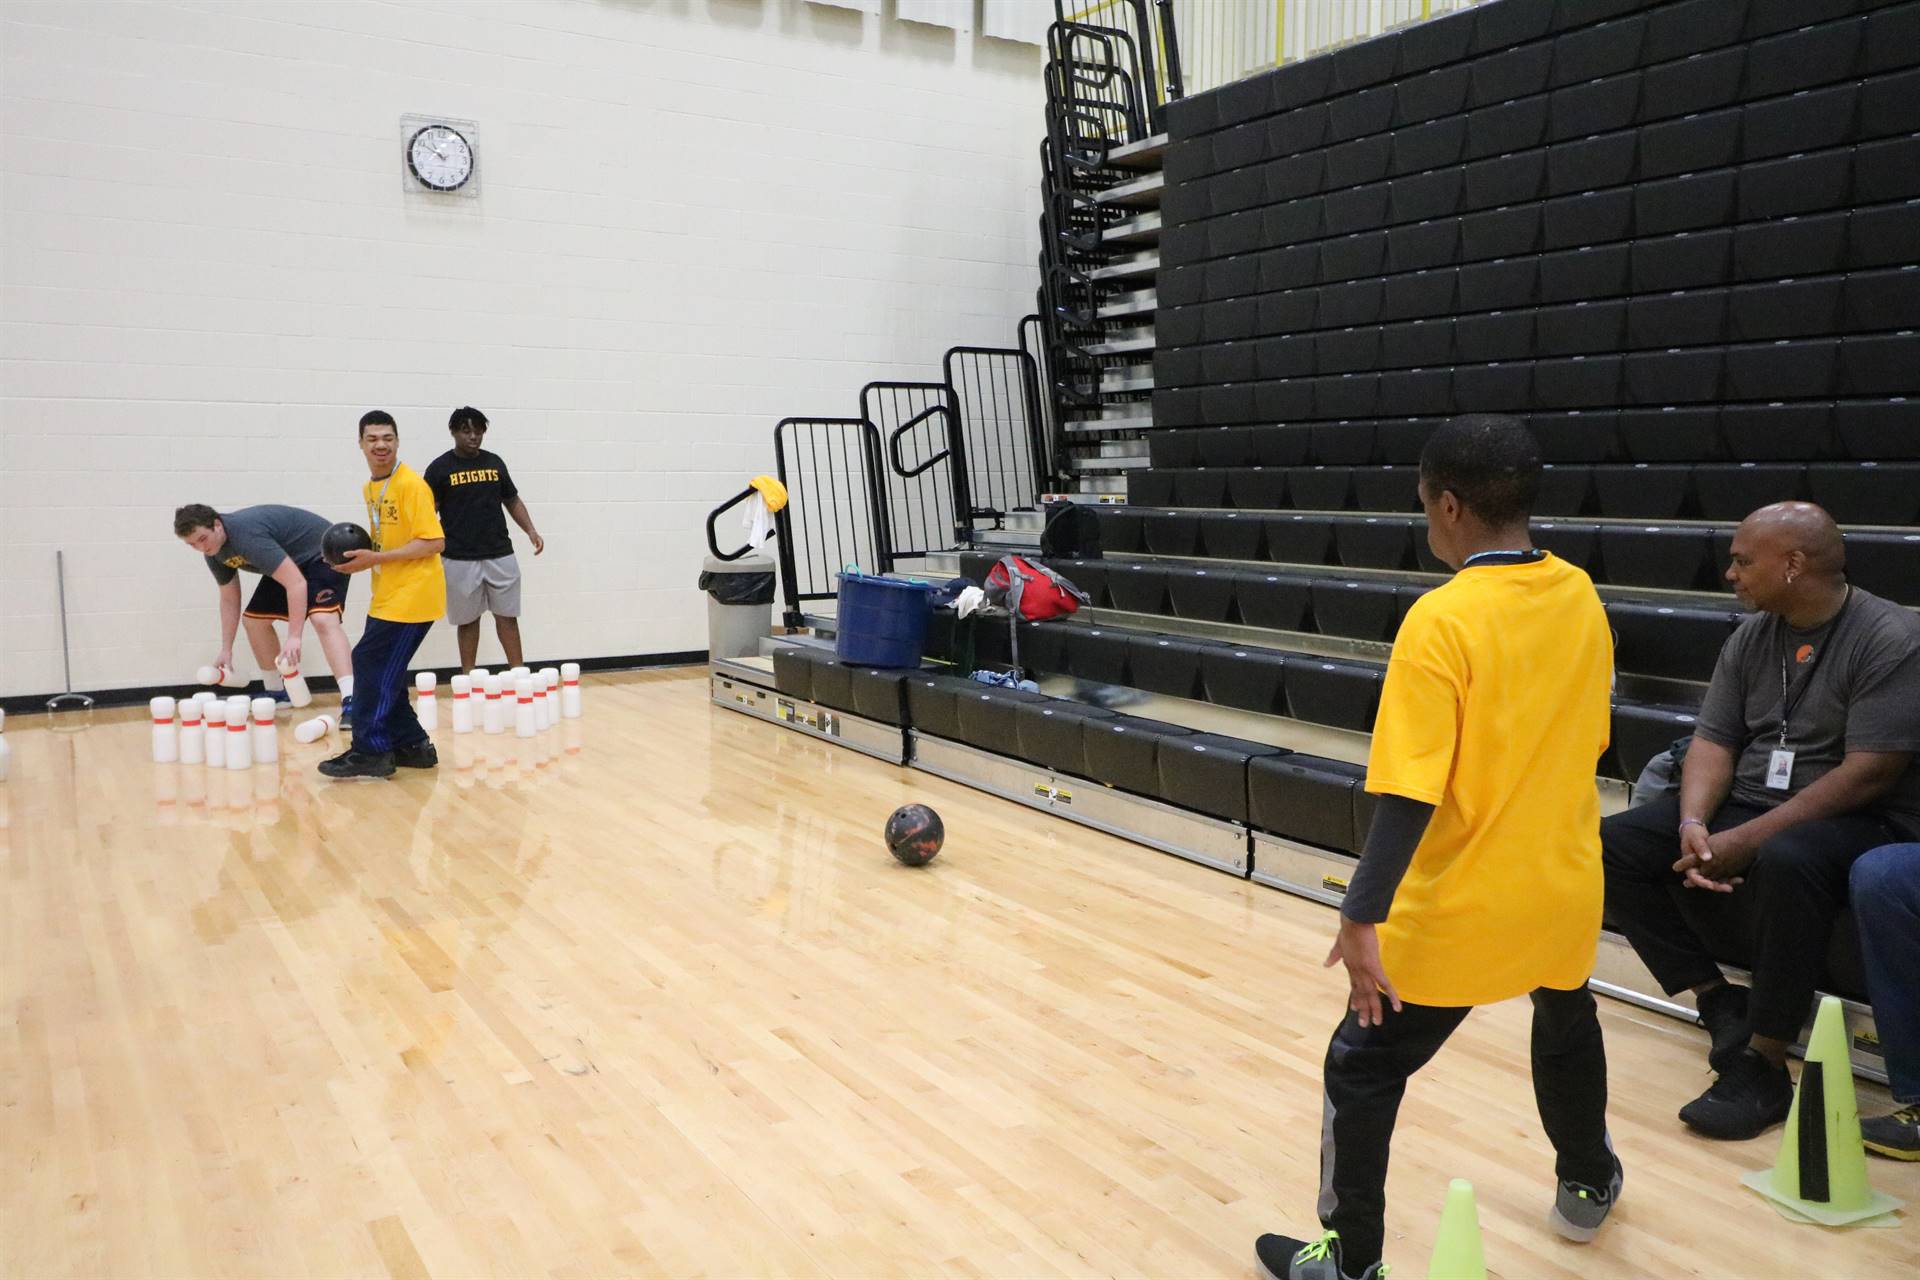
{"x": 666, "y": 1007}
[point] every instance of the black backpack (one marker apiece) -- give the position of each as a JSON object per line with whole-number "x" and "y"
{"x": 1072, "y": 532}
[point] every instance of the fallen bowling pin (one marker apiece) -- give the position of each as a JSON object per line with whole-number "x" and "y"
{"x": 266, "y": 737}
{"x": 493, "y": 716}
{"x": 298, "y": 694}
{"x": 427, "y": 707}
{"x": 463, "y": 704}
{"x": 216, "y": 735}
{"x": 570, "y": 690}
{"x": 524, "y": 723}
{"x": 313, "y": 730}
{"x": 239, "y": 733}
{"x": 226, "y": 677}
{"x": 193, "y": 740}
{"x": 166, "y": 741}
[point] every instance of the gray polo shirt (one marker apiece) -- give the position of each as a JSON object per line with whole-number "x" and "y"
{"x": 1853, "y": 684}
{"x": 259, "y": 538}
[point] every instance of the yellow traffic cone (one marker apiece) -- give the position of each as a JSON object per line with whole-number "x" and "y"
{"x": 1456, "y": 1249}
{"x": 1821, "y": 1173}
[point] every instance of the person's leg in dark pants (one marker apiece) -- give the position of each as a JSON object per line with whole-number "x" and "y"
{"x": 1886, "y": 905}
{"x": 1570, "y": 1084}
{"x": 384, "y": 721}
{"x": 1366, "y": 1075}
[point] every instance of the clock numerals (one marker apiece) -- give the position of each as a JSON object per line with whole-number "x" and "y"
{"x": 440, "y": 157}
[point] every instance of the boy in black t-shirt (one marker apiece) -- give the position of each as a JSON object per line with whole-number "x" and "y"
{"x": 471, "y": 487}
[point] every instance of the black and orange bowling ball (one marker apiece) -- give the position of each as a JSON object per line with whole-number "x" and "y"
{"x": 914, "y": 834}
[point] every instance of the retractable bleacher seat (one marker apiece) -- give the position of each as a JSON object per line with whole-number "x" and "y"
{"x": 1198, "y": 487}
{"x": 1433, "y": 243}
{"x": 933, "y": 705}
{"x": 1098, "y": 655}
{"x": 1505, "y": 335}
{"x": 1796, "y": 60}
{"x": 986, "y": 716}
{"x": 1693, "y": 27}
{"x": 1643, "y": 491}
{"x": 1782, "y": 370}
{"x": 1044, "y": 645}
{"x": 1202, "y": 595}
{"x": 1672, "y": 433}
{"x": 1208, "y": 772}
{"x": 1709, "y": 140}
{"x": 1166, "y": 665}
{"x": 1882, "y": 236}
{"x": 1685, "y": 260}
{"x": 1225, "y": 447}
{"x": 1341, "y": 443}
{"x": 1791, "y": 247}
{"x": 1699, "y": 82}
{"x": 1598, "y": 50}
{"x": 1565, "y": 490}
{"x": 1374, "y": 542}
{"x": 1776, "y": 432}
{"x": 1786, "y": 126}
{"x": 1305, "y": 798}
{"x": 1319, "y": 488}
{"x": 1122, "y": 532}
{"x": 1735, "y": 491}
{"x": 1673, "y": 642}
{"x": 1783, "y": 309}
{"x": 1150, "y": 487}
{"x": 1138, "y": 588}
{"x": 1358, "y": 610}
{"x": 1330, "y": 692}
{"x": 1577, "y": 435}
{"x": 1885, "y": 493}
{"x": 1053, "y": 734}
{"x": 1232, "y": 535}
{"x": 1878, "y": 428}
{"x": 793, "y": 671}
{"x": 1172, "y": 533}
{"x": 1693, "y": 375}
{"x": 1882, "y": 364}
{"x": 1874, "y": 300}
{"x": 880, "y": 693}
{"x": 1277, "y": 602}
{"x": 1576, "y": 542}
{"x": 1583, "y": 328}
{"x": 1683, "y": 318}
{"x": 1122, "y": 752}
{"x": 1299, "y": 539}
{"x": 1887, "y": 564}
{"x": 1798, "y": 184}
{"x": 1387, "y": 488}
{"x": 1672, "y": 557}
{"x": 1257, "y": 488}
{"x": 1578, "y": 382}
{"x": 1399, "y": 443}
{"x": 1642, "y": 732}
{"x": 1590, "y": 271}
{"x": 1089, "y": 575}
{"x": 832, "y": 685}
{"x": 1249, "y": 679}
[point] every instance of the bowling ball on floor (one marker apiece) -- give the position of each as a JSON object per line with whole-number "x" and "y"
{"x": 914, "y": 834}
{"x": 341, "y": 538}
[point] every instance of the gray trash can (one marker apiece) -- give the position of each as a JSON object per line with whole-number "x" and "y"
{"x": 739, "y": 605}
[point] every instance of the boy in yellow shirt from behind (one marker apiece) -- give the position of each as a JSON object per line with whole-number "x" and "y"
{"x": 409, "y": 596}
{"x": 1480, "y": 880}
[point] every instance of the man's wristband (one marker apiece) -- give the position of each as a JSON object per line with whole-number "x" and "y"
{"x": 1690, "y": 822}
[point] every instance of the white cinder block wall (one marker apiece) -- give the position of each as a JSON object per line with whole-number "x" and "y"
{"x": 696, "y": 217}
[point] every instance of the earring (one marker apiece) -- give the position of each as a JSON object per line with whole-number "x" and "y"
{"x": 1789, "y": 579}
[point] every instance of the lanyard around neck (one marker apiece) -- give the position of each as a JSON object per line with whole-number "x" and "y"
{"x": 1524, "y": 555}
{"x": 380, "y": 501}
{"x": 1787, "y": 704}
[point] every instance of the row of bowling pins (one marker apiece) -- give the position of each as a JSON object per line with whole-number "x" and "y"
{"x": 229, "y": 733}
{"x": 298, "y": 694}
{"x": 539, "y": 699}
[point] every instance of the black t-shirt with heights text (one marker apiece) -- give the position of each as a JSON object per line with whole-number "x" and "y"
{"x": 470, "y": 493}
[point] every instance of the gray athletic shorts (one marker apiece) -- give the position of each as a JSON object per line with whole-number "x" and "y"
{"x": 475, "y": 587}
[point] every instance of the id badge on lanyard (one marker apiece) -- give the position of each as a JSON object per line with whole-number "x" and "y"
{"x": 1780, "y": 770}
{"x": 1780, "y": 763}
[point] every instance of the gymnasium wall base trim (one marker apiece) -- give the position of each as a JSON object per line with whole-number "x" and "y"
{"x": 1299, "y": 869}
{"x": 26, "y": 703}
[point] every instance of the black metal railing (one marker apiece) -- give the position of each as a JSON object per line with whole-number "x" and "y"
{"x": 836, "y": 513}
{"x": 926, "y": 491}
{"x": 713, "y": 516}
{"x": 996, "y": 393}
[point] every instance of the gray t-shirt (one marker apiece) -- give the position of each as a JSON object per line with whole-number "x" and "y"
{"x": 1854, "y": 685}
{"x": 259, "y": 538}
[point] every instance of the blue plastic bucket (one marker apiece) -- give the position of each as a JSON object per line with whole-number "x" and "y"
{"x": 883, "y": 622}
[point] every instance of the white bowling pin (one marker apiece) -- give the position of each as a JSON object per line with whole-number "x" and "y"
{"x": 539, "y": 701}
{"x": 493, "y": 716}
{"x": 524, "y": 723}
{"x": 224, "y": 676}
{"x": 479, "y": 677}
{"x": 463, "y": 704}
{"x": 166, "y": 742}
{"x": 297, "y": 692}
{"x": 216, "y": 718}
{"x": 266, "y": 735}
{"x": 551, "y": 675}
{"x": 570, "y": 690}
{"x": 427, "y": 707}
{"x": 239, "y": 732}
{"x": 313, "y": 730}
{"x": 193, "y": 741}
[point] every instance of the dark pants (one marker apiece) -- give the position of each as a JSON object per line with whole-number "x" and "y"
{"x": 1886, "y": 906}
{"x": 1783, "y": 914}
{"x": 1366, "y": 1076}
{"x": 383, "y": 719}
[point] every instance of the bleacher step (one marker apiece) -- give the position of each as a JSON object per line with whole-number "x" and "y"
{"x": 1142, "y": 230}
{"x": 1142, "y": 193}
{"x": 1137, "y": 267}
{"x": 1138, "y": 303}
{"x": 1144, "y": 154}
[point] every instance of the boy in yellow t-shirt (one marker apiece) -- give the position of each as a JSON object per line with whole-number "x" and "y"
{"x": 409, "y": 595}
{"x": 1480, "y": 880}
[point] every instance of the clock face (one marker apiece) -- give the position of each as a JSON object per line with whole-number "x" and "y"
{"x": 440, "y": 157}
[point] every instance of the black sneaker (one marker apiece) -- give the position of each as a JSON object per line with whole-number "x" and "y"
{"x": 1284, "y": 1258}
{"x": 1896, "y": 1136}
{"x": 421, "y": 755}
{"x": 1750, "y": 1097}
{"x": 354, "y": 763}
{"x": 1723, "y": 1012}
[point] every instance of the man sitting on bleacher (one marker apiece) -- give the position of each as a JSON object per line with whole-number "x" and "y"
{"x": 1802, "y": 760}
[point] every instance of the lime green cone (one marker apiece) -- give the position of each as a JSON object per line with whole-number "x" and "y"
{"x": 1456, "y": 1250}
{"x": 1821, "y": 1173}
